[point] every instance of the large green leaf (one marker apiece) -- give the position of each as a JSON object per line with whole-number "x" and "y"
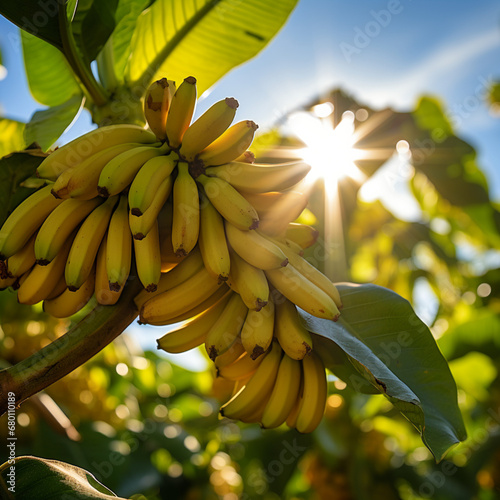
{"x": 11, "y": 136}
{"x": 51, "y": 479}
{"x": 92, "y": 25}
{"x": 396, "y": 353}
{"x": 14, "y": 169}
{"x": 50, "y": 78}
{"x": 126, "y": 19}
{"x": 46, "y": 126}
{"x": 206, "y": 39}
{"x": 38, "y": 18}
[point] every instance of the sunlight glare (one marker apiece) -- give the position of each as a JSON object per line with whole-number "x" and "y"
{"x": 329, "y": 150}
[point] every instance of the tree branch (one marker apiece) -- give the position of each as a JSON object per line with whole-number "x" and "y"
{"x": 94, "y": 332}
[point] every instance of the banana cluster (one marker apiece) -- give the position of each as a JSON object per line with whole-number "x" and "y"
{"x": 210, "y": 232}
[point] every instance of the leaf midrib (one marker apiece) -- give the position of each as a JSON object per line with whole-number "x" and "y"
{"x": 175, "y": 41}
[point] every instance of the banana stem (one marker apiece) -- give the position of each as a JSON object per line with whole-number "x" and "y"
{"x": 84, "y": 74}
{"x": 94, "y": 332}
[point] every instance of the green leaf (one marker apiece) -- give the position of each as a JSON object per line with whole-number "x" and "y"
{"x": 50, "y": 77}
{"x": 14, "y": 169}
{"x": 205, "y": 39}
{"x": 51, "y": 479}
{"x": 46, "y": 126}
{"x": 11, "y": 136}
{"x": 93, "y": 23}
{"x": 395, "y": 351}
{"x": 447, "y": 161}
{"x": 126, "y": 19}
{"x": 38, "y": 18}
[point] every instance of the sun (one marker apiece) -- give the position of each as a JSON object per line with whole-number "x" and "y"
{"x": 329, "y": 150}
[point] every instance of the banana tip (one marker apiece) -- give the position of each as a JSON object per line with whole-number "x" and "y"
{"x": 103, "y": 191}
{"x": 114, "y": 287}
{"x": 232, "y": 102}
{"x": 212, "y": 352}
{"x": 284, "y": 263}
{"x": 43, "y": 262}
{"x": 255, "y": 224}
{"x": 257, "y": 351}
{"x": 136, "y": 211}
{"x": 191, "y": 80}
{"x": 72, "y": 288}
{"x": 152, "y": 287}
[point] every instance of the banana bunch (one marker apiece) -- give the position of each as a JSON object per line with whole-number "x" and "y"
{"x": 209, "y": 232}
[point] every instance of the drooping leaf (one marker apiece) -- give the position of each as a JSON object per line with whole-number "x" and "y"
{"x": 205, "y": 39}
{"x": 38, "y": 18}
{"x": 396, "y": 353}
{"x": 92, "y": 25}
{"x": 14, "y": 169}
{"x": 46, "y": 126}
{"x": 50, "y": 479}
{"x": 50, "y": 78}
{"x": 11, "y": 136}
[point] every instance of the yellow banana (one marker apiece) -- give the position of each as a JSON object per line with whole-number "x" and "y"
{"x": 305, "y": 236}
{"x": 81, "y": 182}
{"x": 86, "y": 244}
{"x": 315, "y": 392}
{"x": 231, "y": 355}
{"x": 156, "y": 105}
{"x": 311, "y": 273}
{"x": 229, "y": 203}
{"x": 258, "y": 330}
{"x": 168, "y": 257}
{"x": 186, "y": 215}
{"x": 76, "y": 151}
{"x": 140, "y": 226}
{"x": 150, "y": 176}
{"x": 285, "y": 209}
{"x": 260, "y": 178}
{"x": 148, "y": 259}
{"x": 59, "y": 225}
{"x": 285, "y": 393}
{"x": 271, "y": 202}
{"x": 181, "y": 111}
{"x": 212, "y": 240}
{"x": 255, "y": 248}
{"x": 232, "y": 143}
{"x": 179, "y": 299}
{"x": 6, "y": 282}
{"x": 246, "y": 157}
{"x": 118, "y": 247}
{"x": 294, "y": 339}
{"x": 227, "y": 327}
{"x": 291, "y": 420}
{"x": 241, "y": 368}
{"x": 258, "y": 388}
{"x": 69, "y": 303}
{"x": 180, "y": 273}
{"x": 302, "y": 292}
{"x": 250, "y": 282}
{"x": 208, "y": 127}
{"x": 103, "y": 294}
{"x": 59, "y": 188}
{"x": 41, "y": 280}
{"x": 221, "y": 293}
{"x": 21, "y": 261}
{"x": 193, "y": 333}
{"x": 121, "y": 170}
{"x": 26, "y": 218}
